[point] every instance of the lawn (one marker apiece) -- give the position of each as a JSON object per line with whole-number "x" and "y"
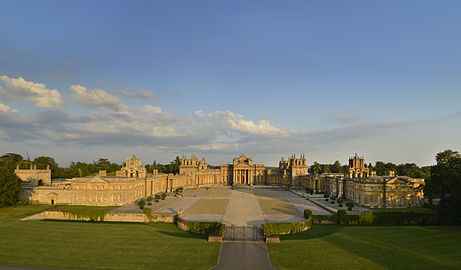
{"x": 369, "y": 247}
{"x": 85, "y": 245}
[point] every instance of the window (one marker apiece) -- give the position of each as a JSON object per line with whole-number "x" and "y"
{"x": 371, "y": 199}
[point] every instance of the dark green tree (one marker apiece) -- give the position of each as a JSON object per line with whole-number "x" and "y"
{"x": 12, "y": 158}
{"x": 445, "y": 183}
{"x": 10, "y": 184}
{"x": 316, "y": 168}
{"x": 336, "y": 167}
{"x": 43, "y": 162}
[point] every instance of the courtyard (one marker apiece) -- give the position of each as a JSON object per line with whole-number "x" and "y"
{"x": 241, "y": 206}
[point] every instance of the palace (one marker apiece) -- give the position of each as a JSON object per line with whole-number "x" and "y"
{"x": 132, "y": 182}
{"x": 361, "y": 185}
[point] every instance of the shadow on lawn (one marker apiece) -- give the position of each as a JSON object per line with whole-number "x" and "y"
{"x": 402, "y": 250}
{"x": 187, "y": 235}
{"x": 314, "y": 232}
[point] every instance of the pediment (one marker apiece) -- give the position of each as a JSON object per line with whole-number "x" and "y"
{"x": 398, "y": 180}
{"x": 243, "y": 166}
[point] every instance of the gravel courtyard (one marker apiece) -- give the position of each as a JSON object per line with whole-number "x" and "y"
{"x": 241, "y": 206}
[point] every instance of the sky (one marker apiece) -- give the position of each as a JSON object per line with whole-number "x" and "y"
{"x": 80, "y": 80}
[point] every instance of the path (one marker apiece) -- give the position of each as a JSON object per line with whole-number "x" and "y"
{"x": 243, "y": 255}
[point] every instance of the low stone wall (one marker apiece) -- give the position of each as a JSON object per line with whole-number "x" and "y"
{"x": 215, "y": 238}
{"x": 272, "y": 239}
{"x": 110, "y": 217}
{"x": 181, "y": 223}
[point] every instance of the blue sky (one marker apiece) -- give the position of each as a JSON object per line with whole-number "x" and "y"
{"x": 218, "y": 78}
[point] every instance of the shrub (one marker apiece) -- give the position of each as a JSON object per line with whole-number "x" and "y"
{"x": 326, "y": 196}
{"x": 367, "y": 218}
{"x": 349, "y": 205}
{"x": 163, "y": 196}
{"x": 149, "y": 199}
{"x": 148, "y": 213}
{"x": 141, "y": 203}
{"x": 341, "y": 216}
{"x": 157, "y": 197}
{"x": 340, "y": 202}
{"x": 307, "y": 213}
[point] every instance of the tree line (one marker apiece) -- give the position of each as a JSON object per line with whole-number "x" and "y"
{"x": 381, "y": 168}
{"x": 82, "y": 169}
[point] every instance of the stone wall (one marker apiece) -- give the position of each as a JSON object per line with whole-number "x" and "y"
{"x": 111, "y": 217}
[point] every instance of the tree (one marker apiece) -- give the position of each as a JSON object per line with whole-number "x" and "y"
{"x": 12, "y": 158}
{"x": 10, "y": 184}
{"x": 141, "y": 204}
{"x": 349, "y": 205}
{"x": 445, "y": 183}
{"x": 316, "y": 168}
{"x": 43, "y": 162}
{"x": 336, "y": 167}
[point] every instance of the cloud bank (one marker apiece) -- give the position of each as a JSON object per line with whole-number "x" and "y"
{"x": 20, "y": 89}
{"x": 110, "y": 123}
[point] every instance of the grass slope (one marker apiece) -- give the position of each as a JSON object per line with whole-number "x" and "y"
{"x": 369, "y": 247}
{"x": 84, "y": 245}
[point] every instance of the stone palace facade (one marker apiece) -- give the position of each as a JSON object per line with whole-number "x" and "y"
{"x": 132, "y": 182}
{"x": 361, "y": 185}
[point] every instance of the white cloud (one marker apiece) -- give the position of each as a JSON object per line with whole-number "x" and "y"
{"x": 36, "y": 92}
{"x": 6, "y": 108}
{"x": 237, "y": 123}
{"x": 95, "y": 97}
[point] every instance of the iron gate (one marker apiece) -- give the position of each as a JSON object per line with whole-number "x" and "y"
{"x": 244, "y": 233}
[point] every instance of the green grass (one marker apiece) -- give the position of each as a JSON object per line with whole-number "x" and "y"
{"x": 88, "y": 245}
{"x": 373, "y": 247}
{"x": 419, "y": 210}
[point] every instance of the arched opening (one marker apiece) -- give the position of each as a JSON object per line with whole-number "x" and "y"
{"x": 52, "y": 201}
{"x": 40, "y": 183}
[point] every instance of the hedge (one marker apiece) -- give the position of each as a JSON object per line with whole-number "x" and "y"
{"x": 215, "y": 228}
{"x": 377, "y": 218}
{"x": 281, "y": 228}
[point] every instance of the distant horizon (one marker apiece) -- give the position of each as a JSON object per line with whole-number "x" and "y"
{"x": 83, "y": 80}
{"x": 309, "y": 163}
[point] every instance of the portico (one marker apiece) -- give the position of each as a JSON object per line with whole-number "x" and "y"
{"x": 243, "y": 176}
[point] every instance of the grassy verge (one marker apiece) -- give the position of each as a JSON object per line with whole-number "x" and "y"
{"x": 83, "y": 245}
{"x": 375, "y": 247}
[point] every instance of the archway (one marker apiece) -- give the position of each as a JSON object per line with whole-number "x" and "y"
{"x": 40, "y": 183}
